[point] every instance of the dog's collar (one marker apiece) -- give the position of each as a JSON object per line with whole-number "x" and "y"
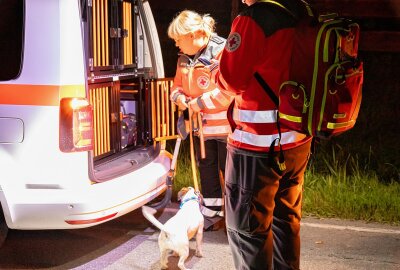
{"x": 189, "y": 199}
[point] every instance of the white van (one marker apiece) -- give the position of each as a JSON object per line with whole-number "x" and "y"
{"x": 84, "y": 112}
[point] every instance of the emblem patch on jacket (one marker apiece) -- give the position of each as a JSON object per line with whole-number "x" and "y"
{"x": 203, "y": 82}
{"x": 233, "y": 42}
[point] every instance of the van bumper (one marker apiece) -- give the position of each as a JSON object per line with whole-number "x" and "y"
{"x": 69, "y": 208}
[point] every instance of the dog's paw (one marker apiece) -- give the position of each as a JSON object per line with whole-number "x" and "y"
{"x": 198, "y": 253}
{"x": 174, "y": 254}
{"x": 148, "y": 210}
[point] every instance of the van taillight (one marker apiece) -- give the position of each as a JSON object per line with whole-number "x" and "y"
{"x": 76, "y": 125}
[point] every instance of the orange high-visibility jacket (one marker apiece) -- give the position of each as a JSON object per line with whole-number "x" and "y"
{"x": 193, "y": 80}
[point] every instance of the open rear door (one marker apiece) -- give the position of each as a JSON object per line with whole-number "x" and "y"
{"x": 129, "y": 96}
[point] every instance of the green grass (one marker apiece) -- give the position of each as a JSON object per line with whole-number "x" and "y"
{"x": 336, "y": 185}
{"x": 184, "y": 175}
{"x": 360, "y": 197}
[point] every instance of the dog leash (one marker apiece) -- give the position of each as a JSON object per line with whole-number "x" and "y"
{"x": 201, "y": 136}
{"x": 192, "y": 157}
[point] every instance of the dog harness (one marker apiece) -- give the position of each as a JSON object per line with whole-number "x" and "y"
{"x": 189, "y": 199}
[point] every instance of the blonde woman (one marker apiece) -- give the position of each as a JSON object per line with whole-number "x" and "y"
{"x": 193, "y": 87}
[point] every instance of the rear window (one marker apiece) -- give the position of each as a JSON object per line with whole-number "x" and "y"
{"x": 11, "y": 31}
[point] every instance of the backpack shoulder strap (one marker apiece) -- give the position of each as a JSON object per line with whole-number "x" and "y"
{"x": 278, "y": 4}
{"x": 267, "y": 89}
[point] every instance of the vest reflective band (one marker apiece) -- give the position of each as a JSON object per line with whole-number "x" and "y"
{"x": 265, "y": 140}
{"x": 215, "y": 94}
{"x": 207, "y": 130}
{"x": 254, "y": 116}
{"x": 214, "y": 116}
{"x": 207, "y": 100}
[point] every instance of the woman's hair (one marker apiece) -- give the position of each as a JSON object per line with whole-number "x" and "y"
{"x": 190, "y": 21}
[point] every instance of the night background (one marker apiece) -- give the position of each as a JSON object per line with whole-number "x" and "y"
{"x": 374, "y": 139}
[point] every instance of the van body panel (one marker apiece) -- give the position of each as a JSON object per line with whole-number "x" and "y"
{"x": 15, "y": 130}
{"x": 42, "y": 187}
{"x": 53, "y": 46}
{"x": 38, "y": 207}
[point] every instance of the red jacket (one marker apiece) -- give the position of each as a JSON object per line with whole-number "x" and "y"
{"x": 260, "y": 41}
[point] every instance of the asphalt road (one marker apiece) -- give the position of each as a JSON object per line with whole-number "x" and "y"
{"x": 131, "y": 243}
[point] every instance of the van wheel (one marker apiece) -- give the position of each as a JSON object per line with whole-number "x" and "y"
{"x": 3, "y": 228}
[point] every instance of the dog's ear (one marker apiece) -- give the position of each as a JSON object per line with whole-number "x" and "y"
{"x": 182, "y": 193}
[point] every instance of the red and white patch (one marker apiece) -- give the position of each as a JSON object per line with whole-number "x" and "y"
{"x": 233, "y": 42}
{"x": 203, "y": 82}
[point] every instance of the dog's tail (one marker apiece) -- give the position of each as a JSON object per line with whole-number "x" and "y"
{"x": 148, "y": 213}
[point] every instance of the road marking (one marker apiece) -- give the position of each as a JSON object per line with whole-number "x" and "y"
{"x": 352, "y": 228}
{"x": 100, "y": 260}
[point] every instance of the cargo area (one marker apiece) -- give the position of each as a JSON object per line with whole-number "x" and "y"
{"x": 129, "y": 96}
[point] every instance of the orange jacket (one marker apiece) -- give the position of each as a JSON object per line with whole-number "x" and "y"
{"x": 194, "y": 81}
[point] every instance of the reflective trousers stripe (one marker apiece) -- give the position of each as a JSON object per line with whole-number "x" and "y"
{"x": 211, "y": 213}
{"x": 213, "y": 201}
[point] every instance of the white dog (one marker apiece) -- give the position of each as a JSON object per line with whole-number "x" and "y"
{"x": 179, "y": 229}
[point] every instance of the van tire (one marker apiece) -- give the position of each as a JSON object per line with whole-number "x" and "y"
{"x": 3, "y": 227}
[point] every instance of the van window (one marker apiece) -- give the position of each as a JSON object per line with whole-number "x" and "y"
{"x": 11, "y": 30}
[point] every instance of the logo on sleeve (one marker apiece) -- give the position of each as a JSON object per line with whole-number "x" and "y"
{"x": 203, "y": 82}
{"x": 233, "y": 42}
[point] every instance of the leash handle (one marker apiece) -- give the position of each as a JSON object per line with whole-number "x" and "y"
{"x": 201, "y": 137}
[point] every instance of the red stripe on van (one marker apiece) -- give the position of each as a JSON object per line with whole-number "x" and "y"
{"x": 39, "y": 95}
{"x": 89, "y": 221}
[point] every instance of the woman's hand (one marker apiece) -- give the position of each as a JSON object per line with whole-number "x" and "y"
{"x": 194, "y": 106}
{"x": 181, "y": 102}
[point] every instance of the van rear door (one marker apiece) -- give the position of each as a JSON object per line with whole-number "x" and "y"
{"x": 127, "y": 91}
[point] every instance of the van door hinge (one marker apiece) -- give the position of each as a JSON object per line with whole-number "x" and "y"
{"x": 91, "y": 63}
{"x": 124, "y": 33}
{"x": 115, "y": 32}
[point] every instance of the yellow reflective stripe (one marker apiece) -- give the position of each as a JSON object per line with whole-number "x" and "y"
{"x": 290, "y": 118}
{"x": 339, "y": 125}
{"x": 254, "y": 116}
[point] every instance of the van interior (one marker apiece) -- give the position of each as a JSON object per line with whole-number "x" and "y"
{"x": 130, "y": 99}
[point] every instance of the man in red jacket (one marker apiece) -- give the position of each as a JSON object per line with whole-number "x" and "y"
{"x": 263, "y": 199}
